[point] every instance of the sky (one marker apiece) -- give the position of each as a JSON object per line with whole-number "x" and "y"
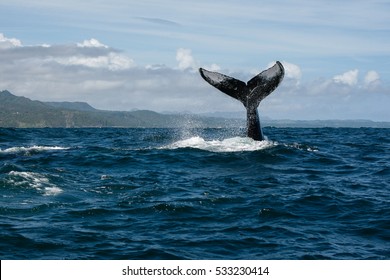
{"x": 127, "y": 54}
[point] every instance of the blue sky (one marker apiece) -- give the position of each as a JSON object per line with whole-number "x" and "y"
{"x": 123, "y": 54}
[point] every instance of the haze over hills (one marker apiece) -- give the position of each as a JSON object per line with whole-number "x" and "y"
{"x": 22, "y": 112}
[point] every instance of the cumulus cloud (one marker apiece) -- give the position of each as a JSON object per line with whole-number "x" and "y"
{"x": 372, "y": 79}
{"x": 9, "y": 42}
{"x": 213, "y": 67}
{"x": 349, "y": 78}
{"x": 90, "y": 53}
{"x": 111, "y": 61}
{"x": 292, "y": 71}
{"x": 185, "y": 59}
{"x": 349, "y": 81}
{"x": 91, "y": 43}
{"x": 67, "y": 72}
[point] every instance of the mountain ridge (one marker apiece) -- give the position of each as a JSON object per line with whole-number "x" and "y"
{"x": 22, "y": 112}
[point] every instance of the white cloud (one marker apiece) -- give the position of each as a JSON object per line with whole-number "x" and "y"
{"x": 111, "y": 61}
{"x": 292, "y": 70}
{"x": 91, "y": 43}
{"x": 185, "y": 59}
{"x": 91, "y": 53}
{"x": 372, "y": 79}
{"x": 213, "y": 67}
{"x": 349, "y": 78}
{"x": 9, "y": 42}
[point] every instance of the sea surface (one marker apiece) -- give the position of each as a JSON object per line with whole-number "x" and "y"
{"x": 114, "y": 193}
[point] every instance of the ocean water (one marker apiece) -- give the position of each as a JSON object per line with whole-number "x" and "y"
{"x": 305, "y": 193}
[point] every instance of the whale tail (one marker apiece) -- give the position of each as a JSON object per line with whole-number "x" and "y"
{"x": 250, "y": 94}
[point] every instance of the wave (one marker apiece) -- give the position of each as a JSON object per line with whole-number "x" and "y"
{"x": 16, "y": 150}
{"x": 235, "y": 144}
{"x": 34, "y": 180}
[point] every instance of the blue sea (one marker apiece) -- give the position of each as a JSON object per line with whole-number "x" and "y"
{"x": 116, "y": 193}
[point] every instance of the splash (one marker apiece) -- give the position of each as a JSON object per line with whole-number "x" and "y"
{"x": 236, "y": 144}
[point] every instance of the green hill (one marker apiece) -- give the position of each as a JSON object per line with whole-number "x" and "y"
{"x": 79, "y": 106}
{"x": 21, "y": 112}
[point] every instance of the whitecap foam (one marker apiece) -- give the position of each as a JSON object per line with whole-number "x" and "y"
{"x": 301, "y": 147}
{"x": 16, "y": 150}
{"x": 235, "y": 144}
{"x": 34, "y": 180}
{"x": 54, "y": 190}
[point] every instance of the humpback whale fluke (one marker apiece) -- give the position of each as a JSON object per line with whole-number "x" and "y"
{"x": 250, "y": 94}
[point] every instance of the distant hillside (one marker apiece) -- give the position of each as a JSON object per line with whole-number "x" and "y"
{"x": 21, "y": 112}
{"x": 79, "y": 106}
